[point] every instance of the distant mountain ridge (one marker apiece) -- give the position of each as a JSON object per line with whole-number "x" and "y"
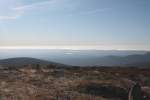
{"x": 130, "y": 60}
{"x": 21, "y": 61}
{"x": 73, "y": 57}
{"x": 112, "y": 60}
{"x": 137, "y": 60}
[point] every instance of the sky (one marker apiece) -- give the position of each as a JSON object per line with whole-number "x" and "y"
{"x": 76, "y": 24}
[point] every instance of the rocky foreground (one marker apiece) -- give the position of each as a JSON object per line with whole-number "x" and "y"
{"x": 36, "y": 82}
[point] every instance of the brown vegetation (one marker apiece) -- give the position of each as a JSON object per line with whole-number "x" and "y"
{"x": 71, "y": 83}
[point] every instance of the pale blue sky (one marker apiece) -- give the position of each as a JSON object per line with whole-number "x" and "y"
{"x": 112, "y": 24}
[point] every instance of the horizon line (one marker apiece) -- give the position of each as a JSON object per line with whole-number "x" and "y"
{"x": 69, "y": 48}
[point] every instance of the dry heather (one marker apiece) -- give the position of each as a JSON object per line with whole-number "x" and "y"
{"x": 75, "y": 83}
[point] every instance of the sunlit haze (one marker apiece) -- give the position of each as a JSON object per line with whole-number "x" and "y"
{"x": 94, "y": 47}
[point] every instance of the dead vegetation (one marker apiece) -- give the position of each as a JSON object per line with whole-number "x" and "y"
{"x": 71, "y": 83}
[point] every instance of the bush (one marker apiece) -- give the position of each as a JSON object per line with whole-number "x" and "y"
{"x": 102, "y": 89}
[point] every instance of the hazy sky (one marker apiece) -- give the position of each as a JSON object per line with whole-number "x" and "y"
{"x": 104, "y": 24}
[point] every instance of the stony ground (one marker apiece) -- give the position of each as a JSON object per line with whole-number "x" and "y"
{"x": 51, "y": 83}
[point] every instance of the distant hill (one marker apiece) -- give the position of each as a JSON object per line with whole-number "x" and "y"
{"x": 114, "y": 60}
{"x": 130, "y": 60}
{"x": 74, "y": 57}
{"x": 21, "y": 61}
{"x": 137, "y": 60}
